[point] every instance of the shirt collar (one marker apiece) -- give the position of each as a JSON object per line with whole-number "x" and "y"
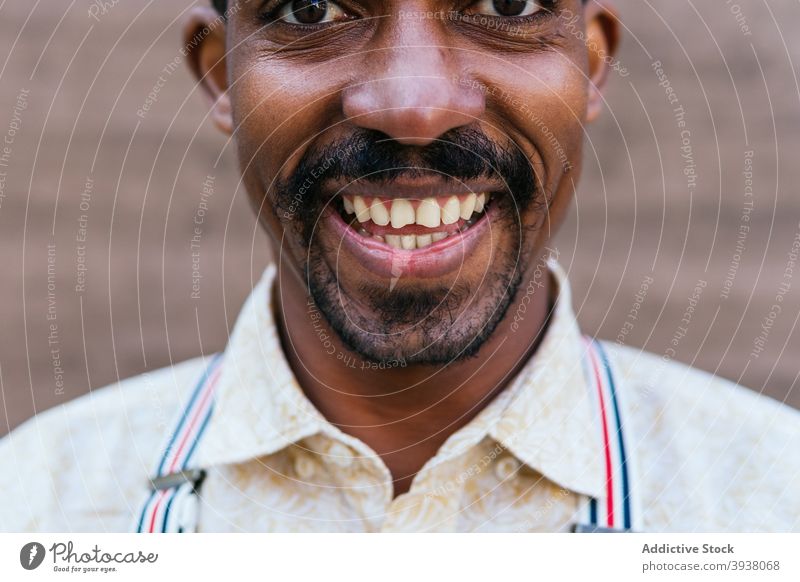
{"x": 259, "y": 406}
{"x": 550, "y": 423}
{"x": 544, "y": 417}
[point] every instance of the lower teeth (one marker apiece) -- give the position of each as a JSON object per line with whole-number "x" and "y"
{"x": 410, "y": 242}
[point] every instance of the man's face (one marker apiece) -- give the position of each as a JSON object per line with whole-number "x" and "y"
{"x": 409, "y": 158}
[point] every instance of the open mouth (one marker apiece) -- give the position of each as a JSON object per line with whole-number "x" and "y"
{"x": 410, "y": 224}
{"x": 422, "y": 229}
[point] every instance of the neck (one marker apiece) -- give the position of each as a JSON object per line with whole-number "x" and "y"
{"x": 404, "y": 414}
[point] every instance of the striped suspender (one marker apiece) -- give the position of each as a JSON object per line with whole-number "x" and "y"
{"x": 616, "y": 511}
{"x": 172, "y": 503}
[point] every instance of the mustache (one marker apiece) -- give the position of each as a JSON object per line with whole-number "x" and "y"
{"x": 461, "y": 154}
{"x": 369, "y": 155}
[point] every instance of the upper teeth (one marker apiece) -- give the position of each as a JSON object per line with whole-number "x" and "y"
{"x": 400, "y": 212}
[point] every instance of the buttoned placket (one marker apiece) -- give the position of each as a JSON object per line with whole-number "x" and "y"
{"x": 433, "y": 501}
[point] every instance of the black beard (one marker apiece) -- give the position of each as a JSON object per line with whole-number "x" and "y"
{"x": 416, "y": 328}
{"x": 434, "y": 327}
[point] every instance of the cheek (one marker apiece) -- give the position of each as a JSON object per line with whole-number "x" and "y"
{"x": 545, "y": 106}
{"x": 277, "y": 112}
{"x": 264, "y": 209}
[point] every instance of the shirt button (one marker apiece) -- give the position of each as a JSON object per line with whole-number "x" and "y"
{"x": 506, "y": 468}
{"x": 340, "y": 455}
{"x": 303, "y": 467}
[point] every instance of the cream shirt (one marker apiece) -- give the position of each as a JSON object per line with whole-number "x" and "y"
{"x": 706, "y": 455}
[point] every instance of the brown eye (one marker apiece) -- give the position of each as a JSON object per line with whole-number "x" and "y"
{"x": 311, "y": 12}
{"x": 507, "y": 8}
{"x": 510, "y": 7}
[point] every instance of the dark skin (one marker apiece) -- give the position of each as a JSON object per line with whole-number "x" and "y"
{"x": 280, "y": 89}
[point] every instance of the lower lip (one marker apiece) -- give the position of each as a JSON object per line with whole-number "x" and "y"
{"x": 435, "y": 260}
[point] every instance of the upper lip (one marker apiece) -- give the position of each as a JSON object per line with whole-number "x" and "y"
{"x": 425, "y": 187}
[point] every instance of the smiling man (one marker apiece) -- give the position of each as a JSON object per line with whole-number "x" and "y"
{"x": 412, "y": 361}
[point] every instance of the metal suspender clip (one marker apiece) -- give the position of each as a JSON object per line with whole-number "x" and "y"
{"x": 193, "y": 476}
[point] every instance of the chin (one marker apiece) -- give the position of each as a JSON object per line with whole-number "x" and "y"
{"x": 413, "y": 319}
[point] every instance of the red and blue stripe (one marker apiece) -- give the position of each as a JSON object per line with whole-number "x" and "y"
{"x": 178, "y": 454}
{"x": 615, "y": 510}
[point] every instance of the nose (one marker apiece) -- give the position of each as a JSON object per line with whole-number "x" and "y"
{"x": 413, "y": 94}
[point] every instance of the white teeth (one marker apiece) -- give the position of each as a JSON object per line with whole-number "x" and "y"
{"x": 468, "y": 206}
{"x": 378, "y": 212}
{"x": 379, "y": 238}
{"x": 393, "y": 240}
{"x": 480, "y": 201}
{"x": 429, "y": 213}
{"x": 402, "y": 213}
{"x": 410, "y": 242}
{"x": 451, "y": 210}
{"x": 361, "y": 209}
{"x": 423, "y": 240}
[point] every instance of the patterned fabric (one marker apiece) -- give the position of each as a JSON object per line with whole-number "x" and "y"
{"x": 171, "y": 504}
{"x": 706, "y": 454}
